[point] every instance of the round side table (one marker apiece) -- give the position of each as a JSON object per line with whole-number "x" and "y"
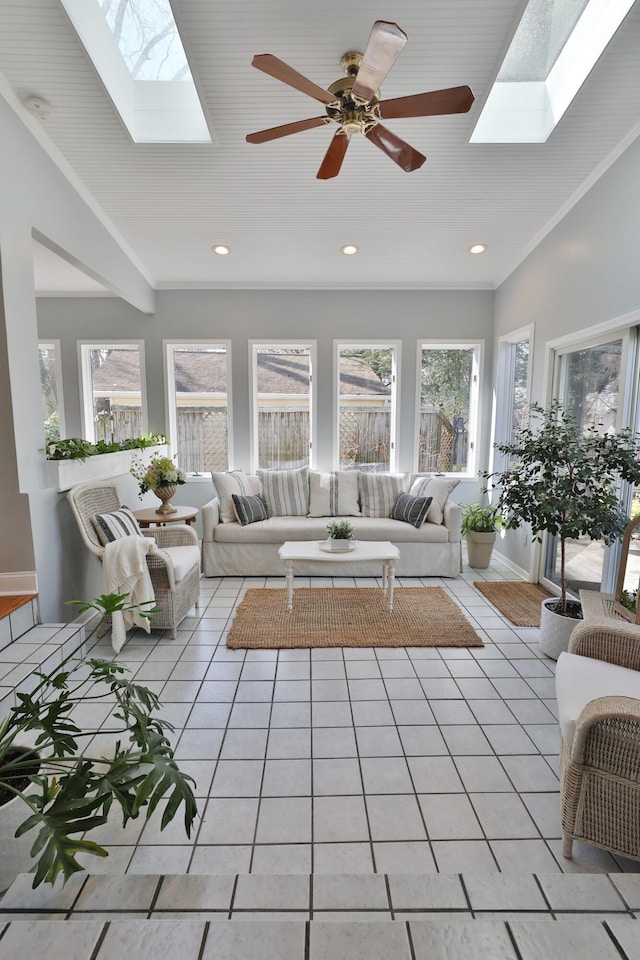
{"x": 150, "y": 517}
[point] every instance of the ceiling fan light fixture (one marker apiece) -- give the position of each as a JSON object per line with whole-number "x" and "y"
{"x": 221, "y": 249}
{"x": 349, "y": 249}
{"x": 478, "y": 248}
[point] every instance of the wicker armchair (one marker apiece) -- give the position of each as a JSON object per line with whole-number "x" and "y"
{"x": 600, "y": 758}
{"x": 175, "y": 573}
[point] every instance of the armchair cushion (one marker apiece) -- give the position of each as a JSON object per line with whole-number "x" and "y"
{"x": 113, "y": 526}
{"x": 184, "y": 559}
{"x": 582, "y": 679}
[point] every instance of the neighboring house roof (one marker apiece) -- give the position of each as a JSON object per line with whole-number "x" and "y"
{"x": 201, "y": 372}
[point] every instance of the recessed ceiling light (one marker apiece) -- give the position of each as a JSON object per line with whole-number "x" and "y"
{"x": 221, "y": 249}
{"x": 349, "y": 249}
{"x": 477, "y": 248}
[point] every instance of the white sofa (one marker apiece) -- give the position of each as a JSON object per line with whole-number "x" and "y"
{"x": 232, "y": 550}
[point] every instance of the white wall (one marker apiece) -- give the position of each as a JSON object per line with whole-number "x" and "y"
{"x": 584, "y": 273}
{"x": 37, "y": 197}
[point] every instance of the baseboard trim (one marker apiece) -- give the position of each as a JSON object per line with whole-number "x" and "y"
{"x": 19, "y": 583}
{"x": 506, "y": 562}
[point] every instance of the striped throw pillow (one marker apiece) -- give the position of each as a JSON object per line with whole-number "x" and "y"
{"x": 113, "y": 526}
{"x": 410, "y": 509}
{"x": 249, "y": 509}
{"x": 333, "y": 494}
{"x": 286, "y": 492}
{"x": 438, "y": 488}
{"x": 379, "y": 492}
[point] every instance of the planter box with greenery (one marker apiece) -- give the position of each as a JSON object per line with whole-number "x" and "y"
{"x": 479, "y": 526}
{"x": 63, "y": 789}
{"x": 74, "y": 460}
{"x": 563, "y": 480}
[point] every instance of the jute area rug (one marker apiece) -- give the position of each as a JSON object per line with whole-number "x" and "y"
{"x": 519, "y": 602}
{"x": 350, "y": 617}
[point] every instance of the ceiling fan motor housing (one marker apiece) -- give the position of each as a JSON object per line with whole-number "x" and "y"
{"x": 353, "y": 115}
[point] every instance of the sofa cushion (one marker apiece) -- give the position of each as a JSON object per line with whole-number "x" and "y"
{"x": 411, "y": 509}
{"x": 249, "y": 509}
{"x": 438, "y": 488}
{"x": 119, "y": 523}
{"x": 379, "y": 492}
{"x": 286, "y": 492}
{"x": 279, "y": 529}
{"x": 582, "y": 679}
{"x": 334, "y": 494}
{"x": 234, "y": 481}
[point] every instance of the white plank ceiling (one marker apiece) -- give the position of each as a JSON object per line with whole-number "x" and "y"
{"x": 170, "y": 203}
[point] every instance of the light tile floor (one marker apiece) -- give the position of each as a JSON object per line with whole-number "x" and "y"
{"x": 355, "y": 761}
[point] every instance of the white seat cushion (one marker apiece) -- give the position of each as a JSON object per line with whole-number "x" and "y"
{"x": 184, "y": 559}
{"x": 582, "y": 679}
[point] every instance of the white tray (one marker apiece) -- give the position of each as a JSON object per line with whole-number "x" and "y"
{"x": 328, "y": 546}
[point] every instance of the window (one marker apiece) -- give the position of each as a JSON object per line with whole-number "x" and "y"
{"x": 366, "y": 429}
{"x": 198, "y": 405}
{"x": 113, "y": 400}
{"x": 283, "y": 405}
{"x": 136, "y": 49}
{"x": 448, "y": 403}
{"x": 51, "y": 390}
{"x": 512, "y": 394}
{"x": 597, "y": 382}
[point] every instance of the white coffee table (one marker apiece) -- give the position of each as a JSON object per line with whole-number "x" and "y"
{"x": 293, "y": 550}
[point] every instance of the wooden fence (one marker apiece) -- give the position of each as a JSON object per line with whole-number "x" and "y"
{"x": 202, "y": 442}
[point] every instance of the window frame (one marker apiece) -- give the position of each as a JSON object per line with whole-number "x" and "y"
{"x": 48, "y": 344}
{"x": 396, "y": 360}
{"x": 86, "y": 391}
{"x": 501, "y": 421}
{"x": 298, "y": 344}
{"x": 168, "y": 355}
{"x": 478, "y": 347}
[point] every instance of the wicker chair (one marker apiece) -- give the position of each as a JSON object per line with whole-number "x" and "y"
{"x": 175, "y": 574}
{"x": 600, "y": 757}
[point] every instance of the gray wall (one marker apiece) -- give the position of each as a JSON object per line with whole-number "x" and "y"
{"x": 584, "y": 273}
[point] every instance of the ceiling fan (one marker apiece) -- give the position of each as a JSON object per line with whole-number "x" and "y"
{"x": 353, "y": 101}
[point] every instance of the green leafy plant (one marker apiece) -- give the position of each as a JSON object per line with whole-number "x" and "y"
{"x": 340, "y": 530}
{"x": 562, "y": 479}
{"x": 75, "y": 448}
{"x": 479, "y": 518}
{"x": 66, "y": 789}
{"x": 629, "y": 599}
{"x": 160, "y": 472}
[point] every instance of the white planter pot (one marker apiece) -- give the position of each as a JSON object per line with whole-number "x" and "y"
{"x": 555, "y": 630}
{"x": 479, "y": 548}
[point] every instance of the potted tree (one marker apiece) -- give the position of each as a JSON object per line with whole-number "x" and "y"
{"x": 54, "y": 790}
{"x": 479, "y": 526}
{"x": 562, "y": 480}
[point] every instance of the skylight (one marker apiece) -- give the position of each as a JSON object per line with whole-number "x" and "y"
{"x": 554, "y": 49}
{"x": 136, "y": 48}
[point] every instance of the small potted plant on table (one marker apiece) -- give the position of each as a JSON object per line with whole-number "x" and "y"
{"x": 341, "y": 536}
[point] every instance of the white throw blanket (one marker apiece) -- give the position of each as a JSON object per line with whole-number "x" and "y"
{"x": 125, "y": 570}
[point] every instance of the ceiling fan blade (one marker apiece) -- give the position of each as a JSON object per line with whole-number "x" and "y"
{"x": 452, "y": 100}
{"x": 274, "y": 133}
{"x": 330, "y": 166}
{"x": 399, "y": 151}
{"x": 384, "y": 47}
{"x": 282, "y": 71}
